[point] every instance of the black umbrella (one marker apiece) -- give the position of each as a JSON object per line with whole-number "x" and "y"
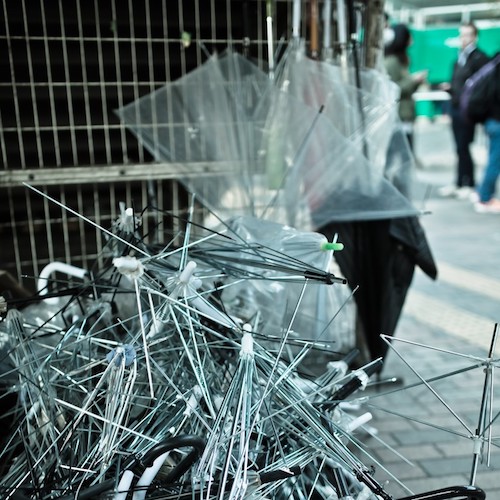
{"x": 379, "y": 257}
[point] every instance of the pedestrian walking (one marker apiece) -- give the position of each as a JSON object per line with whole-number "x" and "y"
{"x": 486, "y": 202}
{"x": 470, "y": 60}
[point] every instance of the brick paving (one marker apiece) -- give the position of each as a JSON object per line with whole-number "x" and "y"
{"x": 456, "y": 315}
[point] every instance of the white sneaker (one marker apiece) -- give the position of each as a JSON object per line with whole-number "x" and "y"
{"x": 464, "y": 192}
{"x": 448, "y": 191}
{"x": 474, "y": 197}
{"x": 488, "y": 207}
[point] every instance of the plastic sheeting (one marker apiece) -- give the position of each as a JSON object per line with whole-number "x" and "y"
{"x": 325, "y": 314}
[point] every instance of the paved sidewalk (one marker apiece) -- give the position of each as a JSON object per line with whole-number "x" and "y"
{"x": 455, "y": 315}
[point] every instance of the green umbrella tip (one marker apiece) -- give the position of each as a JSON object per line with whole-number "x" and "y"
{"x": 332, "y": 246}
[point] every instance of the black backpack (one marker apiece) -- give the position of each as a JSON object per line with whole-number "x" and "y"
{"x": 479, "y": 92}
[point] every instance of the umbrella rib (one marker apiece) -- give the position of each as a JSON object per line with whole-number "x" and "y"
{"x": 74, "y": 212}
{"x": 443, "y": 402}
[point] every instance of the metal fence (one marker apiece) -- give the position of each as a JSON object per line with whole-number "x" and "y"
{"x": 66, "y": 66}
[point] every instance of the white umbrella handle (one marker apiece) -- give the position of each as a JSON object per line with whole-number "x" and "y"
{"x": 61, "y": 267}
{"x": 148, "y": 476}
{"x": 296, "y": 19}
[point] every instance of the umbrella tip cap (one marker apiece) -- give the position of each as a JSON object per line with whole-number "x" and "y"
{"x": 332, "y": 246}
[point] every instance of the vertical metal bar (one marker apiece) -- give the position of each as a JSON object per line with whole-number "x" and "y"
{"x": 69, "y": 95}
{"x": 14, "y": 88}
{"x": 260, "y": 31}
{"x": 36, "y": 121}
{"x": 165, "y": 39}
{"x": 314, "y": 21}
{"x": 134, "y": 67}
{"x": 491, "y": 419}
{"x": 198, "y": 32}
{"x": 52, "y": 100}
{"x": 151, "y": 74}
{"x": 229, "y": 25}
{"x": 149, "y": 47}
{"x": 129, "y": 201}
{"x": 152, "y": 195}
{"x": 164, "y": 184}
{"x": 128, "y": 196}
{"x": 485, "y": 402}
{"x": 3, "y": 147}
{"x": 15, "y": 238}
{"x": 327, "y": 33}
{"x": 85, "y": 82}
{"x": 81, "y": 228}
{"x": 102, "y": 80}
{"x": 31, "y": 227}
{"x": 64, "y": 224}
{"x": 176, "y": 225}
{"x": 119, "y": 83}
{"x": 181, "y": 30}
{"x": 213, "y": 21}
{"x": 183, "y": 67}
{"x": 146, "y": 220}
{"x": 113, "y": 203}
{"x": 270, "y": 37}
{"x": 97, "y": 220}
{"x": 296, "y": 18}
{"x": 161, "y": 219}
{"x": 48, "y": 229}
{"x": 342, "y": 31}
{"x": 168, "y": 75}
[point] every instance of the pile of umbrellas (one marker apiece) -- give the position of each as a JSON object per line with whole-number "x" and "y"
{"x": 306, "y": 149}
{"x": 178, "y": 370}
{"x": 175, "y": 372}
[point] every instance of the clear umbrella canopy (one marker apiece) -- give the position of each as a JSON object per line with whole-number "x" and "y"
{"x": 348, "y": 173}
{"x": 361, "y": 105}
{"x": 290, "y": 151}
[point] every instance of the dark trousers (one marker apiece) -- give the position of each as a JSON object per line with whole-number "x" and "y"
{"x": 463, "y": 133}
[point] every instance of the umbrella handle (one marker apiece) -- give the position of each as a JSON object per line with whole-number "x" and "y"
{"x": 451, "y": 493}
{"x": 270, "y": 43}
{"x": 358, "y": 380}
{"x": 186, "y": 441}
{"x": 196, "y": 443}
{"x": 61, "y": 267}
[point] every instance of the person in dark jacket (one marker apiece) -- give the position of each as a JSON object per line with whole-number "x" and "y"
{"x": 470, "y": 59}
{"x": 486, "y": 202}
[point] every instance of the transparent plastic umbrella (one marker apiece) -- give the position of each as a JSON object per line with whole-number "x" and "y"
{"x": 116, "y": 383}
{"x": 273, "y": 155}
{"x": 91, "y": 427}
{"x": 364, "y": 118}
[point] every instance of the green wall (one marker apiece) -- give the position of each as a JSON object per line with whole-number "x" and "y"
{"x": 436, "y": 49}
